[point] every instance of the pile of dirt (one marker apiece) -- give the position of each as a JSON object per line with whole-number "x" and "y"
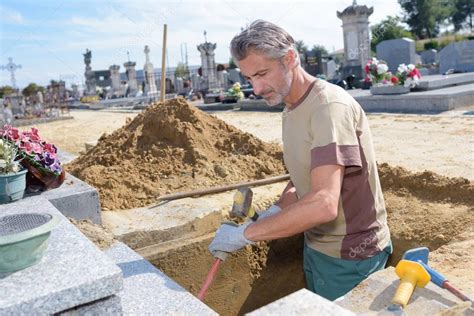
{"x": 172, "y": 146}
{"x": 424, "y": 208}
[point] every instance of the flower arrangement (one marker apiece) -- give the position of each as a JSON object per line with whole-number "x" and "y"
{"x": 377, "y": 73}
{"x": 408, "y": 75}
{"x": 9, "y": 160}
{"x": 33, "y": 150}
{"x": 235, "y": 91}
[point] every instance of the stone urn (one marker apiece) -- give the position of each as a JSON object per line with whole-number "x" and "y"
{"x": 389, "y": 90}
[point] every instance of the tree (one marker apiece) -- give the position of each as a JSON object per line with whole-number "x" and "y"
{"x": 387, "y": 29}
{"x": 32, "y": 89}
{"x": 462, "y": 16}
{"x": 232, "y": 64}
{"x": 5, "y": 90}
{"x": 321, "y": 48}
{"x": 301, "y": 47}
{"x": 424, "y": 17}
{"x": 181, "y": 70}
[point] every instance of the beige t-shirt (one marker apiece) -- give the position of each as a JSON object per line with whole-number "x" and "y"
{"x": 328, "y": 127}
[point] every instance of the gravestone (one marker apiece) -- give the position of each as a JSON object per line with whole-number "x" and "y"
{"x": 429, "y": 56}
{"x": 313, "y": 62}
{"x": 457, "y": 56}
{"x": 235, "y": 76}
{"x": 396, "y": 52}
{"x": 355, "y": 26}
{"x": 208, "y": 64}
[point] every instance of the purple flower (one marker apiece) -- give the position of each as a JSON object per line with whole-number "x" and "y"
{"x": 48, "y": 159}
{"x": 55, "y": 167}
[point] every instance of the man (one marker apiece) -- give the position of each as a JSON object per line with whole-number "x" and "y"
{"x": 334, "y": 195}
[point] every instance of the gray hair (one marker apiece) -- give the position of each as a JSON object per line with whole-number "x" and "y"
{"x": 263, "y": 37}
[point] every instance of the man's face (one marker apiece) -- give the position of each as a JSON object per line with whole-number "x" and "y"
{"x": 270, "y": 78}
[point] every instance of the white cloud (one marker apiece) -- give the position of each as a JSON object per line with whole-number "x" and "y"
{"x": 11, "y": 16}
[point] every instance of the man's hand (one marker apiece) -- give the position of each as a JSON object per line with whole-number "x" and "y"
{"x": 288, "y": 196}
{"x": 229, "y": 238}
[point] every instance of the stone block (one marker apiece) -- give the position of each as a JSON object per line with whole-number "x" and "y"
{"x": 72, "y": 272}
{"x": 302, "y": 302}
{"x": 148, "y": 291}
{"x": 74, "y": 198}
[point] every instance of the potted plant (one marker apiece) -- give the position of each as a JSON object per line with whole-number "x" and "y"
{"x": 38, "y": 157}
{"x": 12, "y": 175}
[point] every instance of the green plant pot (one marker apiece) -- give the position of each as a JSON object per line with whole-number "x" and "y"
{"x": 24, "y": 239}
{"x": 12, "y": 186}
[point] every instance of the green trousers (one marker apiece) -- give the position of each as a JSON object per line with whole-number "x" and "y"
{"x": 332, "y": 277}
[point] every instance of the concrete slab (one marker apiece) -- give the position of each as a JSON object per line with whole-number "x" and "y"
{"x": 375, "y": 294}
{"x": 74, "y": 198}
{"x": 302, "y": 302}
{"x": 185, "y": 218}
{"x": 148, "y": 291}
{"x": 72, "y": 272}
{"x": 433, "y": 101}
{"x": 442, "y": 81}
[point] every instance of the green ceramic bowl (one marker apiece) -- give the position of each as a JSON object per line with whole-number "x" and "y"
{"x": 24, "y": 239}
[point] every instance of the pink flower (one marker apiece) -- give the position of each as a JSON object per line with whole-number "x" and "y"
{"x": 26, "y": 147}
{"x": 49, "y": 148}
{"x": 11, "y": 133}
{"x": 36, "y": 148}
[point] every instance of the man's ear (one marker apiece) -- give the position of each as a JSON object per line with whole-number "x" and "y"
{"x": 290, "y": 59}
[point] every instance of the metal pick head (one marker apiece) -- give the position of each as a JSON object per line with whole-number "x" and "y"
{"x": 242, "y": 202}
{"x": 417, "y": 254}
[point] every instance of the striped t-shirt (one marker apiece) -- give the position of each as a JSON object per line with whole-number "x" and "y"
{"x": 328, "y": 127}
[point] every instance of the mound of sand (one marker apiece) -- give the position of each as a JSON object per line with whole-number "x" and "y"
{"x": 172, "y": 147}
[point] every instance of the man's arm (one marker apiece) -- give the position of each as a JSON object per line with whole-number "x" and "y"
{"x": 318, "y": 206}
{"x": 288, "y": 196}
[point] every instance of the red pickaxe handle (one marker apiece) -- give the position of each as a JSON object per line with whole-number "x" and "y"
{"x": 210, "y": 277}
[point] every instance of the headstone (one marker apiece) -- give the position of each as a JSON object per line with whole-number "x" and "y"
{"x": 313, "y": 62}
{"x": 115, "y": 79}
{"x": 331, "y": 69}
{"x": 179, "y": 85}
{"x": 429, "y": 56}
{"x": 235, "y": 76}
{"x": 457, "y": 56}
{"x": 89, "y": 74}
{"x": 222, "y": 78}
{"x": 355, "y": 25}
{"x": 396, "y": 52}
{"x": 208, "y": 63}
{"x": 131, "y": 78}
{"x": 150, "y": 81}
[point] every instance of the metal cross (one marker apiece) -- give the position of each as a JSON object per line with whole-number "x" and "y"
{"x": 205, "y": 38}
{"x": 11, "y": 67}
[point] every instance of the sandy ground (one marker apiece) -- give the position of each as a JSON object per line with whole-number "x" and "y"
{"x": 442, "y": 143}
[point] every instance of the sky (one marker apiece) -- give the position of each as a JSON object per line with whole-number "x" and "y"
{"x": 47, "y": 38}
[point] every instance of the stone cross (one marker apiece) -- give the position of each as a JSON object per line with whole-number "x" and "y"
{"x": 11, "y": 67}
{"x": 147, "y": 51}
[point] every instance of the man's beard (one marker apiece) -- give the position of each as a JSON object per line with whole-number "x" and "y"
{"x": 277, "y": 97}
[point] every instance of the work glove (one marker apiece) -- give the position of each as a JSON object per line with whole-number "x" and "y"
{"x": 272, "y": 210}
{"x": 229, "y": 238}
